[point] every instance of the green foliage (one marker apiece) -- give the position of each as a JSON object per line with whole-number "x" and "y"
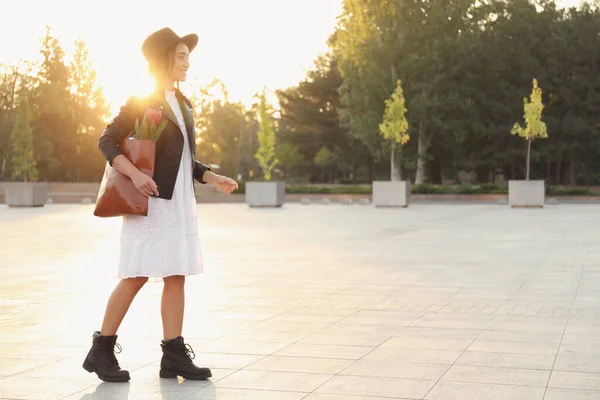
{"x": 89, "y": 110}
{"x": 266, "y": 138}
{"x": 23, "y": 162}
{"x": 534, "y": 126}
{"x": 324, "y": 157}
{"x": 148, "y": 130}
{"x": 225, "y": 131}
{"x": 289, "y": 156}
{"x": 310, "y": 120}
{"x": 395, "y": 124}
{"x": 570, "y": 191}
{"x": 458, "y": 189}
{"x": 463, "y": 66}
{"x": 347, "y": 189}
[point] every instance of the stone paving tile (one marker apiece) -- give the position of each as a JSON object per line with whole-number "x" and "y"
{"x": 217, "y": 393}
{"x": 479, "y": 391}
{"x": 577, "y": 363}
{"x": 224, "y": 360}
{"x": 414, "y": 355}
{"x": 296, "y": 303}
{"x": 330, "y": 366}
{"x": 522, "y": 336}
{"x": 346, "y": 328}
{"x": 376, "y": 386}
{"x": 225, "y": 345}
{"x": 269, "y": 336}
{"x": 440, "y": 333}
{"x": 325, "y": 351}
{"x": 274, "y": 380}
{"x": 319, "y": 396}
{"x": 157, "y": 390}
{"x": 11, "y": 366}
{"x": 349, "y": 339}
{"x": 524, "y": 361}
{"x": 574, "y": 380}
{"x": 396, "y": 369}
{"x": 495, "y": 346}
{"x": 502, "y": 376}
{"x": 428, "y": 343}
{"x": 528, "y": 324}
{"x": 23, "y": 387}
{"x": 571, "y": 394}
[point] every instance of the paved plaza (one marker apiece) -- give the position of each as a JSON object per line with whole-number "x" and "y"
{"x": 318, "y": 302}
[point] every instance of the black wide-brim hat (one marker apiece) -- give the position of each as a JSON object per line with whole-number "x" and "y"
{"x": 156, "y": 46}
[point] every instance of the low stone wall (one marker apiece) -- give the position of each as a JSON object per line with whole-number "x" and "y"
{"x": 74, "y": 193}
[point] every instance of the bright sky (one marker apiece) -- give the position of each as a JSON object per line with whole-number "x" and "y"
{"x": 245, "y": 43}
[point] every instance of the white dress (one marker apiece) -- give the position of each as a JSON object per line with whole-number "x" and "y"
{"x": 165, "y": 242}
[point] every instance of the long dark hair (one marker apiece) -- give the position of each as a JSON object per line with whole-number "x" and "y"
{"x": 161, "y": 67}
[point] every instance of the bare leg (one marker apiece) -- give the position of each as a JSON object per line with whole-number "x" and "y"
{"x": 119, "y": 303}
{"x": 172, "y": 306}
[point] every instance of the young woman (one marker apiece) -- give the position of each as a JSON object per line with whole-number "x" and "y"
{"x": 164, "y": 244}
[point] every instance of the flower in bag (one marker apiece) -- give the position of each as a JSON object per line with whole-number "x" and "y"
{"x": 152, "y": 125}
{"x": 154, "y": 116}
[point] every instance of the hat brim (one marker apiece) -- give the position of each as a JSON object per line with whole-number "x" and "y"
{"x": 158, "y": 43}
{"x": 191, "y": 41}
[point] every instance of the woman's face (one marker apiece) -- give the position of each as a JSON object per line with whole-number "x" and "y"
{"x": 181, "y": 63}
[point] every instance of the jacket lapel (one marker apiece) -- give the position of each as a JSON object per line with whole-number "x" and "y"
{"x": 159, "y": 102}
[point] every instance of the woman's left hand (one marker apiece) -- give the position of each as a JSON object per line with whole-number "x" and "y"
{"x": 224, "y": 184}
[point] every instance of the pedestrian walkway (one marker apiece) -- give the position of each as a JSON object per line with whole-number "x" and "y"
{"x": 318, "y": 302}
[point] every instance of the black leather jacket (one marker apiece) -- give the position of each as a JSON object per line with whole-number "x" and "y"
{"x": 169, "y": 146}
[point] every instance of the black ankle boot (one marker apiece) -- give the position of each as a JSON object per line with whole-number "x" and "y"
{"x": 177, "y": 361}
{"x": 101, "y": 359}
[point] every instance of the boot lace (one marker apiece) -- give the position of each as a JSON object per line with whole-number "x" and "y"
{"x": 108, "y": 356}
{"x": 189, "y": 352}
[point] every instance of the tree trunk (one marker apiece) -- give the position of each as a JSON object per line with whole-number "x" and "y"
{"x": 572, "y": 171}
{"x": 421, "y": 151}
{"x": 528, "y": 158}
{"x": 559, "y": 168}
{"x": 395, "y": 175}
{"x": 513, "y": 170}
{"x": 399, "y": 163}
{"x": 435, "y": 171}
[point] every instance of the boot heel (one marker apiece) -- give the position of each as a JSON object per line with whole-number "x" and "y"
{"x": 88, "y": 366}
{"x": 167, "y": 374}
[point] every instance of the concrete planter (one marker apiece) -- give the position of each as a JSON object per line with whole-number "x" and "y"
{"x": 391, "y": 193}
{"x": 26, "y": 194}
{"x": 265, "y": 194}
{"x": 526, "y": 193}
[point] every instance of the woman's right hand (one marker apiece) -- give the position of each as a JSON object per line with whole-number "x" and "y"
{"x": 144, "y": 184}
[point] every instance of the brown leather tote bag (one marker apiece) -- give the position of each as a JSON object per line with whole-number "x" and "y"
{"x": 117, "y": 195}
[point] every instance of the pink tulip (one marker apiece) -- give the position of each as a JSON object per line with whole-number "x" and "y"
{"x": 154, "y": 116}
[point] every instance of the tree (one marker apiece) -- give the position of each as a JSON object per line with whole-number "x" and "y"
{"x": 24, "y": 165}
{"x": 309, "y": 119}
{"x": 54, "y": 125}
{"x": 367, "y": 45}
{"x": 324, "y": 158}
{"x": 89, "y": 110}
{"x": 225, "y": 131}
{"x": 289, "y": 156}
{"x": 395, "y": 126}
{"x": 266, "y": 138}
{"x": 534, "y": 127}
{"x": 15, "y": 82}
